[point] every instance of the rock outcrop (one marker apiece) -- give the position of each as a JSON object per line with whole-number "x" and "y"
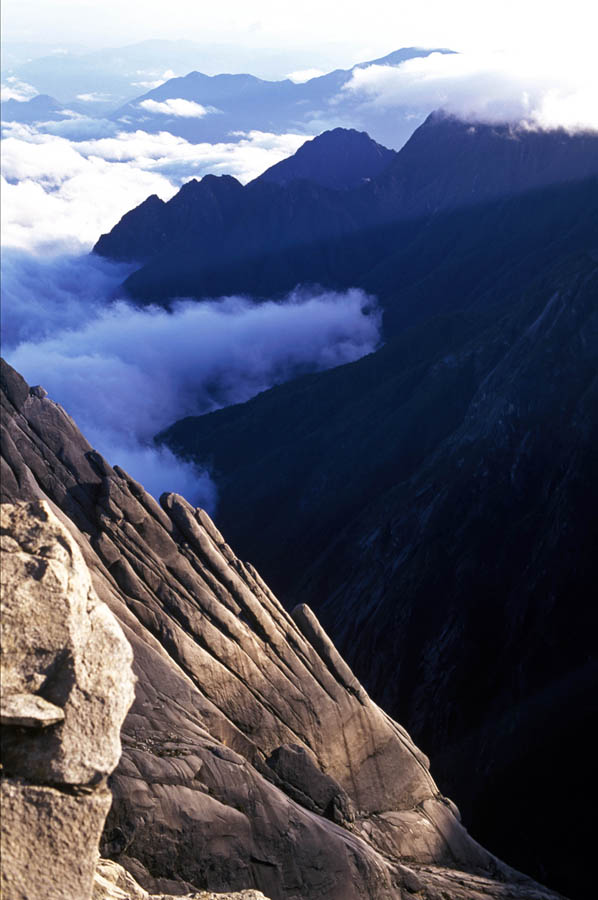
{"x": 112, "y": 882}
{"x": 252, "y": 757}
{"x": 67, "y": 685}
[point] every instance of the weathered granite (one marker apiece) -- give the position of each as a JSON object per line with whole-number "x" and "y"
{"x": 113, "y": 882}
{"x": 230, "y": 687}
{"x": 66, "y": 687}
{"x": 65, "y": 660}
{"x": 50, "y": 840}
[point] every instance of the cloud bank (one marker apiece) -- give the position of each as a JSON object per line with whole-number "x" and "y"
{"x": 498, "y": 87}
{"x": 14, "y": 89}
{"x": 122, "y": 372}
{"x": 185, "y": 109}
{"x": 125, "y": 373}
{"x": 60, "y": 194}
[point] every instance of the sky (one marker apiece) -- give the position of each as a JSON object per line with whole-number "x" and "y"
{"x": 65, "y": 324}
{"x": 362, "y": 31}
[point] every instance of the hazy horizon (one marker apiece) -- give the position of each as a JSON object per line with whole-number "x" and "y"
{"x": 315, "y": 28}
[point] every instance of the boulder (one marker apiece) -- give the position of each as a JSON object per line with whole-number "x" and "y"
{"x": 67, "y": 685}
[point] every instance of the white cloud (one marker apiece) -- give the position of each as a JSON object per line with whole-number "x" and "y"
{"x": 61, "y": 194}
{"x": 13, "y": 89}
{"x": 125, "y": 373}
{"x": 156, "y": 79}
{"x": 54, "y": 198}
{"x": 303, "y": 75}
{"x": 489, "y": 87}
{"x": 184, "y": 109}
{"x": 93, "y": 97}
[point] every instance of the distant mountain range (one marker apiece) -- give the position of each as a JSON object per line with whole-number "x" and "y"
{"x": 233, "y": 103}
{"x": 121, "y": 73}
{"x": 114, "y": 75}
{"x": 41, "y": 108}
{"x": 244, "y": 103}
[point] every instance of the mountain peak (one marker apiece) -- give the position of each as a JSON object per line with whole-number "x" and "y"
{"x": 341, "y": 158}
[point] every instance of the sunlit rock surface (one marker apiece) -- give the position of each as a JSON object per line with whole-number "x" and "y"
{"x": 66, "y": 687}
{"x": 231, "y": 690}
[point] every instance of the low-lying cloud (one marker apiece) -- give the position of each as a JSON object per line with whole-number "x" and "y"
{"x": 158, "y": 78}
{"x": 60, "y": 194}
{"x": 15, "y": 89}
{"x": 303, "y": 75}
{"x": 122, "y": 372}
{"x": 493, "y": 87}
{"x": 184, "y": 109}
{"x": 125, "y": 373}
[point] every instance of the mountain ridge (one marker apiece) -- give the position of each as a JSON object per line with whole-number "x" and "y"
{"x": 456, "y": 170}
{"x": 340, "y": 159}
{"x": 247, "y": 103}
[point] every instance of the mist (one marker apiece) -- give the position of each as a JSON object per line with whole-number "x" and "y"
{"x": 124, "y": 373}
{"x": 61, "y": 192}
{"x": 550, "y": 91}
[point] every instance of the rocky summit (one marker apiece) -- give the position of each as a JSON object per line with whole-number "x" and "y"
{"x": 252, "y": 757}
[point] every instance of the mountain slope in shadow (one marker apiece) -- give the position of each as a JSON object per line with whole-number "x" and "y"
{"x": 435, "y": 502}
{"x": 265, "y": 238}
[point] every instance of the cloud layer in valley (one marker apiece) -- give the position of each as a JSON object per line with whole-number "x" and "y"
{"x": 125, "y": 373}
{"x": 122, "y": 372}
{"x": 184, "y": 109}
{"x": 494, "y": 87}
{"x": 60, "y": 194}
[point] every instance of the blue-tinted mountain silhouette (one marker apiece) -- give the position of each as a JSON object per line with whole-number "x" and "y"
{"x": 216, "y": 237}
{"x": 243, "y": 103}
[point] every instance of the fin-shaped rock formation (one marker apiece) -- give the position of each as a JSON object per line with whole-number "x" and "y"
{"x": 252, "y": 757}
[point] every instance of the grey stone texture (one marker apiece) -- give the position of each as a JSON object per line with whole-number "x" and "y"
{"x": 252, "y": 757}
{"x": 67, "y": 685}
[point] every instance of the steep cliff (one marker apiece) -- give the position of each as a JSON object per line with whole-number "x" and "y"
{"x": 252, "y": 757}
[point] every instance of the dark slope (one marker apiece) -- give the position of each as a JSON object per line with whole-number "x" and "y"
{"x": 451, "y": 478}
{"x": 224, "y": 221}
{"x": 198, "y": 210}
{"x": 478, "y": 575}
{"x": 273, "y": 237}
{"x": 339, "y": 159}
{"x": 461, "y": 279}
{"x": 252, "y": 757}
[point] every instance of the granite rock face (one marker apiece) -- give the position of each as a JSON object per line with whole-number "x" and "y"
{"x": 112, "y": 882}
{"x": 252, "y": 757}
{"x": 66, "y": 688}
